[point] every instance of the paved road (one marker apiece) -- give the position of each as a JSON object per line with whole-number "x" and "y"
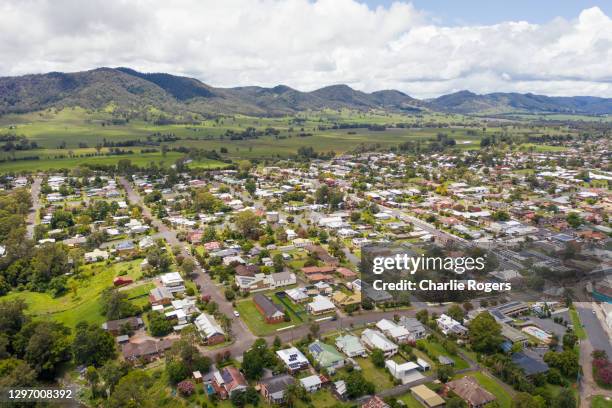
{"x": 35, "y": 193}
{"x": 240, "y": 333}
{"x": 597, "y": 336}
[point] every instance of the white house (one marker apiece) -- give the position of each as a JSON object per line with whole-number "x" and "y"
{"x": 448, "y": 325}
{"x": 374, "y": 339}
{"x": 312, "y": 383}
{"x": 173, "y": 282}
{"x": 398, "y": 333}
{"x": 320, "y": 304}
{"x": 293, "y": 359}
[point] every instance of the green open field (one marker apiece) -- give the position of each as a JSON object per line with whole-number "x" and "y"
{"x": 68, "y": 137}
{"x": 599, "y": 401}
{"x": 85, "y": 305}
{"x": 436, "y": 349}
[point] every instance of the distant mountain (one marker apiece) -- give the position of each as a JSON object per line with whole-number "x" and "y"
{"x": 467, "y": 102}
{"x": 131, "y": 90}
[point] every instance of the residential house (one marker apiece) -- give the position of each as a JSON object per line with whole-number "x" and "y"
{"x": 375, "y": 402}
{"x": 272, "y": 312}
{"x": 115, "y": 327}
{"x": 426, "y": 396}
{"x": 374, "y": 339}
{"x": 210, "y": 331}
{"x": 311, "y": 383}
{"x": 414, "y": 326}
{"x": 96, "y": 255}
{"x": 327, "y": 356}
{"x": 530, "y": 362}
{"x": 146, "y": 350}
{"x": 160, "y": 296}
{"x": 398, "y": 333}
{"x": 320, "y": 305}
{"x": 273, "y": 388}
{"x": 228, "y": 381}
{"x": 343, "y": 300}
{"x": 351, "y": 346}
{"x": 173, "y": 282}
{"x": 293, "y": 359}
{"x": 448, "y": 325}
{"x": 468, "y": 389}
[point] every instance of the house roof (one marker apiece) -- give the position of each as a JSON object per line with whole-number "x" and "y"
{"x": 277, "y": 383}
{"x": 325, "y": 354}
{"x": 426, "y": 394}
{"x": 529, "y": 362}
{"x": 375, "y": 402}
{"x": 468, "y": 389}
{"x": 269, "y": 308}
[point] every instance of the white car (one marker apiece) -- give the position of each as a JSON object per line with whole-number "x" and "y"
{"x": 236, "y": 313}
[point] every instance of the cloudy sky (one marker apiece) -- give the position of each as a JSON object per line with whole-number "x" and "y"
{"x": 424, "y": 47}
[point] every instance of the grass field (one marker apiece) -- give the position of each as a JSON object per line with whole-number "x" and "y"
{"x": 503, "y": 397}
{"x": 85, "y": 305}
{"x": 378, "y": 376}
{"x": 66, "y": 136}
{"x": 599, "y": 401}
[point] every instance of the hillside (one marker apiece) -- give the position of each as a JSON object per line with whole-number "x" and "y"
{"x": 467, "y": 102}
{"x": 133, "y": 91}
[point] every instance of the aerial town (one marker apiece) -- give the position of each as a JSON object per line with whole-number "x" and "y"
{"x": 243, "y": 286}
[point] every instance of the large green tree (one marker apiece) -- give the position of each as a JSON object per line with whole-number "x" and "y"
{"x": 485, "y": 333}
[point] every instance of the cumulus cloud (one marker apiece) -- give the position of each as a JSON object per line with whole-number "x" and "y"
{"x": 308, "y": 44}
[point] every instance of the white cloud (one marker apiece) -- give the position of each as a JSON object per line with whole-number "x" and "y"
{"x": 308, "y": 44}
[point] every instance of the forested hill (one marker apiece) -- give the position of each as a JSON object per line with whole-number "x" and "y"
{"x": 130, "y": 90}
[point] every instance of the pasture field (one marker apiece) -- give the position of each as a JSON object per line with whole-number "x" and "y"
{"x": 84, "y": 303}
{"x": 73, "y": 136}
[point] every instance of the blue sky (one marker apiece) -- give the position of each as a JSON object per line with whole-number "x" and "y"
{"x": 460, "y": 12}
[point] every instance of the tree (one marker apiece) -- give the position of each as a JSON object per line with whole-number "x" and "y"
{"x": 188, "y": 266}
{"x": 422, "y": 316}
{"x": 16, "y": 373}
{"x": 255, "y": 359}
{"x": 278, "y": 263}
{"x": 315, "y": 329}
{"x": 92, "y": 377}
{"x": 111, "y": 373}
{"x": 378, "y": 358}
{"x": 92, "y": 345}
{"x": 248, "y": 396}
{"x": 205, "y": 201}
{"x": 569, "y": 340}
{"x": 44, "y": 345}
{"x": 158, "y": 324}
{"x": 525, "y": 400}
{"x": 250, "y": 186}
{"x": 445, "y": 373}
{"x": 565, "y": 399}
{"x": 12, "y": 316}
{"x": 186, "y": 388}
{"x": 115, "y": 305}
{"x": 247, "y": 224}
{"x": 566, "y": 362}
{"x": 455, "y": 402}
{"x": 456, "y": 312}
{"x": 356, "y": 385}
{"x": 485, "y": 333}
{"x": 132, "y": 391}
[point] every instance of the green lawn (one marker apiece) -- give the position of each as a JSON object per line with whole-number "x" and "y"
{"x": 410, "y": 401}
{"x": 251, "y": 316}
{"x": 503, "y": 397}
{"x": 139, "y": 295}
{"x": 599, "y": 401}
{"x": 378, "y": 376}
{"x": 85, "y": 305}
{"x": 578, "y": 327}
{"x": 436, "y": 349}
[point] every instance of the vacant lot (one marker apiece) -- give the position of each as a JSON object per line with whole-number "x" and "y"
{"x": 84, "y": 305}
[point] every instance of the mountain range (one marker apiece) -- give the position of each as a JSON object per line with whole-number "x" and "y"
{"x": 128, "y": 89}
